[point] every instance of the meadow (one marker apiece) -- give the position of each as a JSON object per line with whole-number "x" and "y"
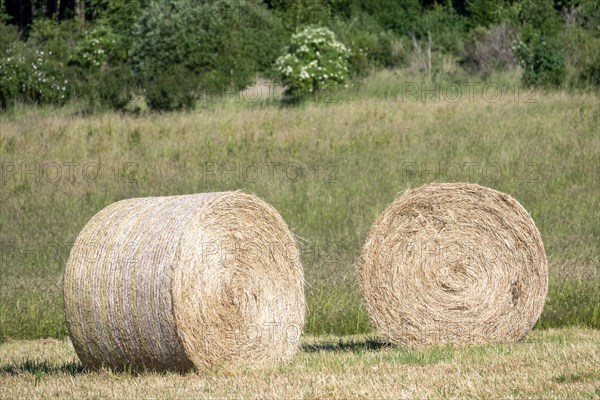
{"x": 329, "y": 166}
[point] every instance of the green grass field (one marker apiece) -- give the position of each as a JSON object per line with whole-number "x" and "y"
{"x": 329, "y": 168}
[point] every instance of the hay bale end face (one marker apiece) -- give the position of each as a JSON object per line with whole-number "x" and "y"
{"x": 182, "y": 282}
{"x": 454, "y": 263}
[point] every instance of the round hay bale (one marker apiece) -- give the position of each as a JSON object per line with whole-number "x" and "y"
{"x": 182, "y": 282}
{"x": 454, "y": 263}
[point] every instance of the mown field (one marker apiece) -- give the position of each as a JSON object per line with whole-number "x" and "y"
{"x": 549, "y": 364}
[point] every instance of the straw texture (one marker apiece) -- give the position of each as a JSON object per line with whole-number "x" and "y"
{"x": 454, "y": 263}
{"x": 182, "y": 282}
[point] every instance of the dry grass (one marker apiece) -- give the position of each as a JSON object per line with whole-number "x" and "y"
{"x": 548, "y": 153}
{"x": 176, "y": 282}
{"x": 454, "y": 263}
{"x": 561, "y": 363}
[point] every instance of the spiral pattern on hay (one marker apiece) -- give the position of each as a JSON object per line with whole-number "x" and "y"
{"x": 454, "y": 263}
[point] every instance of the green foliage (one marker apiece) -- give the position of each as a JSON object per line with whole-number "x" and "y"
{"x": 490, "y": 49}
{"x": 8, "y": 35}
{"x": 113, "y": 25}
{"x": 590, "y": 72}
{"x": 296, "y": 14}
{"x": 484, "y": 13}
{"x": 371, "y": 45}
{"x": 171, "y": 90}
{"x": 588, "y": 15}
{"x": 3, "y": 15}
{"x": 539, "y": 48}
{"x": 220, "y": 46}
{"x": 58, "y": 39}
{"x": 402, "y": 17}
{"x": 539, "y": 17}
{"x": 542, "y": 62}
{"x": 120, "y": 17}
{"x": 582, "y": 55}
{"x": 94, "y": 48}
{"x": 213, "y": 45}
{"x": 314, "y": 61}
{"x": 446, "y": 27}
{"x": 28, "y": 75}
{"x": 111, "y": 88}
{"x": 581, "y": 40}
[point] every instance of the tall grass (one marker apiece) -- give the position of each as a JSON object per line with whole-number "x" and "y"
{"x": 329, "y": 168}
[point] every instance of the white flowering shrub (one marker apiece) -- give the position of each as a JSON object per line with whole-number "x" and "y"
{"x": 314, "y": 61}
{"x": 94, "y": 48}
{"x": 29, "y": 76}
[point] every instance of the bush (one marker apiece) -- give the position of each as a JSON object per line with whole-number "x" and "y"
{"x": 111, "y": 87}
{"x": 588, "y": 15}
{"x": 372, "y": 47}
{"x": 217, "y": 45}
{"x": 581, "y": 40}
{"x": 539, "y": 49}
{"x": 57, "y": 39}
{"x": 487, "y": 13}
{"x": 28, "y": 75}
{"x": 490, "y": 49}
{"x": 582, "y": 57}
{"x": 446, "y": 27}
{"x": 314, "y": 61}
{"x": 8, "y": 35}
{"x": 401, "y": 17}
{"x": 94, "y": 48}
{"x": 298, "y": 13}
{"x": 590, "y": 72}
{"x": 542, "y": 62}
{"x": 171, "y": 90}
{"x": 120, "y": 17}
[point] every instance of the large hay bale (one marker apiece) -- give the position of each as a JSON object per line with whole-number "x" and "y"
{"x": 454, "y": 263}
{"x": 193, "y": 281}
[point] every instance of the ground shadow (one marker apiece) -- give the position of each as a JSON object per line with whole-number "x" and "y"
{"x": 354, "y": 346}
{"x": 42, "y": 368}
{"x": 400, "y": 355}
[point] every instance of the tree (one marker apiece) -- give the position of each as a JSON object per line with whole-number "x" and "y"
{"x": 204, "y": 46}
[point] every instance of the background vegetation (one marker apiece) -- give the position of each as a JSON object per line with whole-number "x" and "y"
{"x": 111, "y": 54}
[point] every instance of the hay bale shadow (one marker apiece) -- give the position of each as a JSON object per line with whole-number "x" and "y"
{"x": 353, "y": 346}
{"x": 41, "y": 368}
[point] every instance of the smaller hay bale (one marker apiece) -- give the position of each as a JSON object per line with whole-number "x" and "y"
{"x": 183, "y": 282}
{"x": 454, "y": 263}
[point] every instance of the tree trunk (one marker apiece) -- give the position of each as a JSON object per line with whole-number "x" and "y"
{"x": 80, "y": 12}
{"x": 52, "y": 7}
